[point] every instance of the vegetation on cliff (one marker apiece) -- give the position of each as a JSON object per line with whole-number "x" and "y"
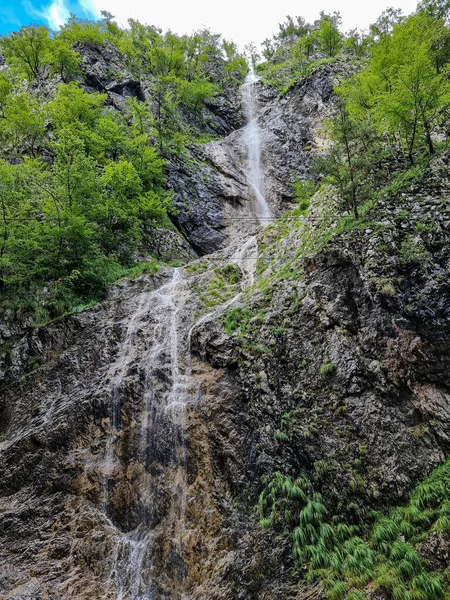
{"x": 388, "y": 150}
{"x": 82, "y": 184}
{"x": 351, "y": 561}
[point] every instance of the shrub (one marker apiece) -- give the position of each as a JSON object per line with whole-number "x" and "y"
{"x": 328, "y": 369}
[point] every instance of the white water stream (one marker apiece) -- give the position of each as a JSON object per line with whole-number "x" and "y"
{"x": 151, "y": 338}
{"x": 157, "y": 336}
{"x": 252, "y": 140}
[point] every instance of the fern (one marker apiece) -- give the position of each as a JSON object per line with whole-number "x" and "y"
{"x": 430, "y": 586}
{"x": 327, "y": 535}
{"x": 356, "y": 595}
{"x": 399, "y": 592}
{"x": 385, "y": 531}
{"x": 332, "y": 551}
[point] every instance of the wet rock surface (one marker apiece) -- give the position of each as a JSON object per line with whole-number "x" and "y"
{"x": 213, "y": 198}
{"x": 111, "y": 487}
{"x": 134, "y": 435}
{"x": 343, "y": 365}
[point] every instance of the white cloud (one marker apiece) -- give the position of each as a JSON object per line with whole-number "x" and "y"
{"x": 90, "y": 7}
{"x": 240, "y": 20}
{"x": 56, "y": 14}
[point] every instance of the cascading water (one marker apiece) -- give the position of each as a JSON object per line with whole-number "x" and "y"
{"x": 146, "y": 451}
{"x": 148, "y": 558}
{"x": 252, "y": 140}
{"x": 151, "y": 338}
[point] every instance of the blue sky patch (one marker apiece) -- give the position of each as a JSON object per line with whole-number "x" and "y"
{"x": 52, "y": 13}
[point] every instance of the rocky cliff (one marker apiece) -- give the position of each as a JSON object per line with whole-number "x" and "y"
{"x": 135, "y": 435}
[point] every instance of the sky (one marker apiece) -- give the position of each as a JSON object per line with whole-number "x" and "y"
{"x": 242, "y": 21}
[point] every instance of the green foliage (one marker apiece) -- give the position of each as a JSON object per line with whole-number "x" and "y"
{"x": 349, "y": 161}
{"x": 304, "y": 189}
{"x": 300, "y": 48}
{"x": 5, "y": 90}
{"x": 328, "y": 369}
{"x": 349, "y": 565}
{"x": 76, "y": 30}
{"x": 222, "y": 287}
{"x": 391, "y": 110}
{"x": 22, "y": 130}
{"x": 26, "y": 51}
{"x": 330, "y": 38}
{"x": 281, "y": 436}
{"x": 73, "y": 107}
{"x": 72, "y": 222}
{"x": 68, "y": 224}
{"x": 193, "y": 94}
{"x": 388, "y": 289}
{"x": 402, "y": 91}
{"x": 63, "y": 60}
{"x": 235, "y": 318}
{"x": 413, "y": 250}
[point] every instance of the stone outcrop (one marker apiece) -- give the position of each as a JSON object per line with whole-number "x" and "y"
{"x": 338, "y": 368}
{"x": 212, "y": 196}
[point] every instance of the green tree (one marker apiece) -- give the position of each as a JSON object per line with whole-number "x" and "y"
{"x": 251, "y": 51}
{"x": 72, "y": 106}
{"x": 63, "y": 238}
{"x": 23, "y": 126}
{"x": 135, "y": 45}
{"x": 8, "y": 211}
{"x": 73, "y": 184}
{"x": 20, "y": 211}
{"x": 113, "y": 136}
{"x": 268, "y": 49}
{"x": 77, "y": 30}
{"x": 349, "y": 162}
{"x": 436, "y": 9}
{"x": 310, "y": 41}
{"x": 297, "y": 27}
{"x": 122, "y": 189}
{"x": 143, "y": 155}
{"x": 356, "y": 43}
{"x": 26, "y": 51}
{"x": 164, "y": 100}
{"x": 299, "y": 58}
{"x": 385, "y": 22}
{"x": 193, "y": 94}
{"x": 63, "y": 60}
{"x": 113, "y": 32}
{"x": 406, "y": 91}
{"x": 330, "y": 38}
{"x": 6, "y": 88}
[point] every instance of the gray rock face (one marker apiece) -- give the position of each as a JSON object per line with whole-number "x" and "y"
{"x": 109, "y": 489}
{"x": 105, "y": 450}
{"x": 213, "y": 197}
{"x": 168, "y": 245}
{"x": 344, "y": 378}
{"x": 104, "y": 70}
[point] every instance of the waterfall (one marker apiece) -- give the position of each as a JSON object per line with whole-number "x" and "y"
{"x": 148, "y": 562}
{"x": 150, "y": 384}
{"x": 151, "y": 338}
{"x": 252, "y": 141}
